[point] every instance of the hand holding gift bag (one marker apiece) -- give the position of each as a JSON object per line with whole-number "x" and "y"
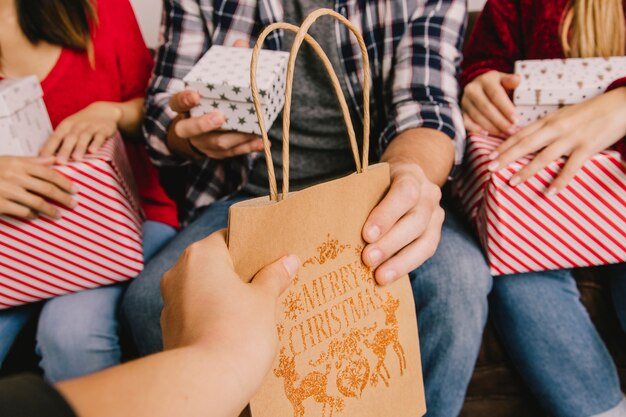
{"x": 346, "y": 346}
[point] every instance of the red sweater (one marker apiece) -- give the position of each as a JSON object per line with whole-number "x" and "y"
{"x": 512, "y": 30}
{"x": 123, "y": 66}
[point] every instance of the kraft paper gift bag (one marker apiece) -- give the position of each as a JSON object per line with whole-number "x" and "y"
{"x": 347, "y": 347}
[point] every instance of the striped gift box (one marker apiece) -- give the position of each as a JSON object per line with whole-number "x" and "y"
{"x": 523, "y": 229}
{"x": 96, "y": 244}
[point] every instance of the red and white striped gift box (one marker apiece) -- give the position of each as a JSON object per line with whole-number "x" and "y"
{"x": 98, "y": 243}
{"x": 523, "y": 229}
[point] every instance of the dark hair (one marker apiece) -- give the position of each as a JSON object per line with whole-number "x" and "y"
{"x": 65, "y": 23}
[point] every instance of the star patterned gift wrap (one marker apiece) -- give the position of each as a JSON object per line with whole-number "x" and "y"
{"x": 222, "y": 78}
{"x": 547, "y": 85}
{"x": 24, "y": 122}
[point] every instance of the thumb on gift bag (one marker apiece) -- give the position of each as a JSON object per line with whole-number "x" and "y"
{"x": 510, "y": 81}
{"x": 276, "y": 277}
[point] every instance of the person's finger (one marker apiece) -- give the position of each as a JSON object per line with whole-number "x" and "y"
{"x": 52, "y": 176}
{"x": 574, "y": 163}
{"x": 184, "y": 101}
{"x": 525, "y": 147}
{"x": 46, "y": 189}
{"x": 510, "y": 81}
{"x": 194, "y": 126}
{"x": 409, "y": 228}
{"x": 498, "y": 96}
{"x": 543, "y": 159}
{"x": 413, "y": 255}
{"x": 36, "y": 203}
{"x": 482, "y": 120}
{"x": 241, "y": 43}
{"x": 52, "y": 144}
{"x": 84, "y": 140}
{"x": 254, "y": 145}
{"x": 68, "y": 145}
{"x": 98, "y": 140}
{"x": 41, "y": 160}
{"x": 276, "y": 277}
{"x": 402, "y": 196}
{"x": 492, "y": 113}
{"x": 9, "y": 208}
{"x": 472, "y": 127}
{"x": 512, "y": 142}
{"x": 223, "y": 140}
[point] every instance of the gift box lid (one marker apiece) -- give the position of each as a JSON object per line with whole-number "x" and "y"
{"x": 16, "y": 94}
{"x": 565, "y": 81}
{"x": 224, "y": 73}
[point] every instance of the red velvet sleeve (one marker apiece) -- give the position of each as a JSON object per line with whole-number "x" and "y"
{"x": 620, "y": 82}
{"x": 133, "y": 56}
{"x": 495, "y": 41}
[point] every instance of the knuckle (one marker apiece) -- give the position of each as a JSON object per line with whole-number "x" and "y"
{"x": 471, "y": 88}
{"x": 39, "y": 204}
{"x": 49, "y": 190}
{"x": 440, "y": 215}
{"x": 221, "y": 142}
{"x": 410, "y": 191}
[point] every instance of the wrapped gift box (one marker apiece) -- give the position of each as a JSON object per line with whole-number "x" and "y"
{"x": 523, "y": 229}
{"x": 97, "y": 243}
{"x": 547, "y": 85}
{"x": 222, "y": 78}
{"x": 24, "y": 121}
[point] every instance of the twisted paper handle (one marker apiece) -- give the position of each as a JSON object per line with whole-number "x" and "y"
{"x": 301, "y": 36}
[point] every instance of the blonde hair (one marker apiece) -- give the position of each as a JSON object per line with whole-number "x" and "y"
{"x": 593, "y": 28}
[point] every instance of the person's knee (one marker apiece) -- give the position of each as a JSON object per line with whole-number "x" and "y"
{"x": 71, "y": 340}
{"x": 455, "y": 290}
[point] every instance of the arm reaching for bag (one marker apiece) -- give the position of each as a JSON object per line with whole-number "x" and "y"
{"x": 217, "y": 351}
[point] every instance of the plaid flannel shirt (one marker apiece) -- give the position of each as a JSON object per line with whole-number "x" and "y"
{"x": 414, "y": 50}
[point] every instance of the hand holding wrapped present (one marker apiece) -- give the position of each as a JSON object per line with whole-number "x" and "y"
{"x": 200, "y": 137}
{"x": 84, "y": 131}
{"x": 576, "y": 132}
{"x": 197, "y": 137}
{"x": 487, "y": 108}
{"x": 26, "y": 184}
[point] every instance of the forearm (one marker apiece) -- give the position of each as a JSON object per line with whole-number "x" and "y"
{"x": 432, "y": 150}
{"x": 185, "y": 382}
{"x": 130, "y": 117}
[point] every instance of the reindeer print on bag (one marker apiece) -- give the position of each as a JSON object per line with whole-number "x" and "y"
{"x": 343, "y": 310}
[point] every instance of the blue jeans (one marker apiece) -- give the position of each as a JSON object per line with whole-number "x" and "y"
{"x": 450, "y": 293}
{"x": 78, "y": 333}
{"x": 554, "y": 345}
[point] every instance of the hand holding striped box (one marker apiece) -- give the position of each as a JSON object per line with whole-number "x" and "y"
{"x": 522, "y": 229}
{"x": 98, "y": 243}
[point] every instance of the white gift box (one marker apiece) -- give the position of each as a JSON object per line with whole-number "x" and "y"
{"x": 547, "y": 85}
{"x": 24, "y": 121}
{"x": 222, "y": 78}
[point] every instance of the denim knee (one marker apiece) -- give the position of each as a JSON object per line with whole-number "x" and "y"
{"x": 455, "y": 282}
{"x": 78, "y": 333}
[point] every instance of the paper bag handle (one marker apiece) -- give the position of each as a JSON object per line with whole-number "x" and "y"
{"x": 301, "y": 36}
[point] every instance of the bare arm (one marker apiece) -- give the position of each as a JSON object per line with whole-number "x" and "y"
{"x": 217, "y": 351}
{"x": 430, "y": 149}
